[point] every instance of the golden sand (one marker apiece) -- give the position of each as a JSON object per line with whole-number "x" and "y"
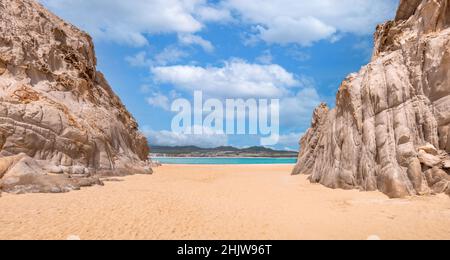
{"x": 221, "y": 202}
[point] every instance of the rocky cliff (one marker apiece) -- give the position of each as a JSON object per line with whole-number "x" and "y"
{"x": 60, "y": 121}
{"x": 390, "y": 130}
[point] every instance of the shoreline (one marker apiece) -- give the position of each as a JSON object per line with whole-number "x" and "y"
{"x": 226, "y": 165}
{"x": 224, "y": 161}
{"x": 224, "y": 157}
{"x": 226, "y": 202}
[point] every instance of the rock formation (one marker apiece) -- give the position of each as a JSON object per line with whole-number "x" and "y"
{"x": 60, "y": 121}
{"x": 390, "y": 130}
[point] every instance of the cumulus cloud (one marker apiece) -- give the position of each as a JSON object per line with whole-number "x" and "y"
{"x": 265, "y": 58}
{"x": 305, "y": 31}
{"x": 169, "y": 55}
{"x": 138, "y": 60}
{"x": 236, "y": 78}
{"x": 208, "y": 139}
{"x": 275, "y": 21}
{"x": 159, "y": 100}
{"x": 129, "y": 21}
{"x": 305, "y": 22}
{"x": 296, "y": 110}
{"x": 240, "y": 79}
{"x": 214, "y": 14}
{"x": 190, "y": 39}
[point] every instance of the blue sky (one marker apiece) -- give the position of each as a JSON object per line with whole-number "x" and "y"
{"x": 155, "y": 51}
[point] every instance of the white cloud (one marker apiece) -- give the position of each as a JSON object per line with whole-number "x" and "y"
{"x": 169, "y": 55}
{"x": 138, "y": 60}
{"x": 159, "y": 100}
{"x": 305, "y": 21}
{"x": 276, "y": 21}
{"x": 304, "y": 31}
{"x": 208, "y": 139}
{"x": 296, "y": 111}
{"x": 265, "y": 58}
{"x": 236, "y": 78}
{"x": 214, "y": 14}
{"x": 129, "y": 21}
{"x": 190, "y": 39}
{"x": 239, "y": 79}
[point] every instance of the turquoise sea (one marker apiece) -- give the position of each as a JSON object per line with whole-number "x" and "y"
{"x": 215, "y": 161}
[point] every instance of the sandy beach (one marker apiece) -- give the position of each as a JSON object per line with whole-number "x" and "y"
{"x": 221, "y": 202}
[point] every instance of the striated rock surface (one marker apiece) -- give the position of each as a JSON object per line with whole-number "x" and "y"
{"x": 390, "y": 130}
{"x": 59, "y": 118}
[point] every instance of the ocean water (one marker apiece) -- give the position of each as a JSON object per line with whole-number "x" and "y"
{"x": 222, "y": 161}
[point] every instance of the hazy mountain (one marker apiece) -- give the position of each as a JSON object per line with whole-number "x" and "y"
{"x": 223, "y": 151}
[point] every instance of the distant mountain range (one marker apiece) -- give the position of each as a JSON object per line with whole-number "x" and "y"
{"x": 223, "y": 151}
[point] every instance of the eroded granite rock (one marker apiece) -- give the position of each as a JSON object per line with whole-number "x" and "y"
{"x": 56, "y": 108}
{"x": 398, "y": 103}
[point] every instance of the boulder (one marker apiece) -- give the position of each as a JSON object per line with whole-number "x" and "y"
{"x": 429, "y": 160}
{"x": 417, "y": 178}
{"x": 26, "y": 175}
{"x": 429, "y": 149}
{"x": 440, "y": 187}
{"x": 435, "y": 175}
{"x": 446, "y": 164}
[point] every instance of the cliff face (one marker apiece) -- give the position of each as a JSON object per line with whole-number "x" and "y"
{"x": 56, "y": 110}
{"x": 390, "y": 130}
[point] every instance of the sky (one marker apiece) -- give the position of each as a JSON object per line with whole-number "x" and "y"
{"x": 156, "y": 51}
